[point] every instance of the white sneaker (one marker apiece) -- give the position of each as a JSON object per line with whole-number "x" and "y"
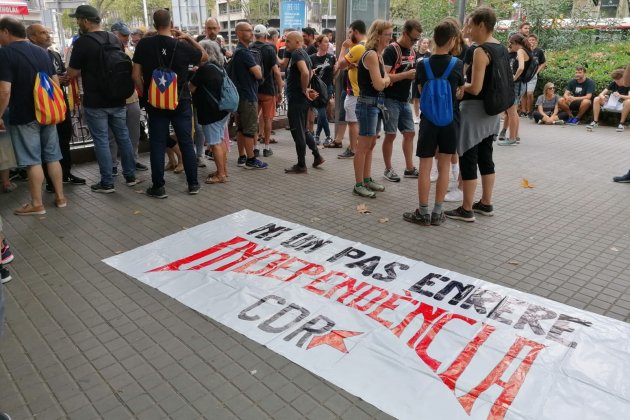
{"x": 620, "y": 128}
{"x": 434, "y": 173}
{"x": 592, "y": 126}
{"x": 454, "y": 196}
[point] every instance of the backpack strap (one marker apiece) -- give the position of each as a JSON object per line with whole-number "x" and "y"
{"x": 448, "y": 70}
{"x": 427, "y": 69}
{"x": 27, "y": 58}
{"x": 398, "y": 63}
{"x": 205, "y": 89}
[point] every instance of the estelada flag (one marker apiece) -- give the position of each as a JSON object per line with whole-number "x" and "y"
{"x": 163, "y": 89}
{"x": 50, "y": 108}
{"x": 73, "y": 93}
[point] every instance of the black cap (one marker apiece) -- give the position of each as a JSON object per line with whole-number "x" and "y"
{"x": 86, "y": 11}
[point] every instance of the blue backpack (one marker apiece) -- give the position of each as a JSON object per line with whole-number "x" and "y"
{"x": 436, "y": 98}
{"x": 228, "y": 101}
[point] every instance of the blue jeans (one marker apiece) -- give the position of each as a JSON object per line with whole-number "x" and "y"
{"x": 159, "y": 122}
{"x": 98, "y": 121}
{"x": 400, "y": 117}
{"x": 322, "y": 122}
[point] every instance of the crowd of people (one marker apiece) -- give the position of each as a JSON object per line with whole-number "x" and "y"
{"x": 181, "y": 83}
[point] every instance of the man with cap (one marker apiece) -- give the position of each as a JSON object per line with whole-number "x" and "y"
{"x": 269, "y": 89}
{"x": 40, "y": 36}
{"x": 34, "y": 143}
{"x": 101, "y": 112}
{"x": 122, "y": 32}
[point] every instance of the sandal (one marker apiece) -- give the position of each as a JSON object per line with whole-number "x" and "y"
{"x": 179, "y": 169}
{"x": 169, "y": 167}
{"x": 216, "y": 179}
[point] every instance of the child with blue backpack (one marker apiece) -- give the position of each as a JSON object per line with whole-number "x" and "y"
{"x": 439, "y": 78}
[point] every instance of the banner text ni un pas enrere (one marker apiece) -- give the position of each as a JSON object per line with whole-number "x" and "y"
{"x": 414, "y": 340}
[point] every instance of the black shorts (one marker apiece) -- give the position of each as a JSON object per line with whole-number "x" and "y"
{"x": 575, "y": 105}
{"x": 430, "y": 137}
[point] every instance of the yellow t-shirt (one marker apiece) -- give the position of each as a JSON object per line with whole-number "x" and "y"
{"x": 353, "y": 57}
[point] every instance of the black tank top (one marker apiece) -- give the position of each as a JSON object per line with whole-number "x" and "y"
{"x": 365, "y": 80}
{"x": 497, "y": 47}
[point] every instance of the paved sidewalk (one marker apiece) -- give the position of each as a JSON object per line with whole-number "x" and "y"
{"x": 85, "y": 341}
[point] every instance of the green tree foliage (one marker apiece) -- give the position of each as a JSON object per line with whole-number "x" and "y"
{"x": 261, "y": 11}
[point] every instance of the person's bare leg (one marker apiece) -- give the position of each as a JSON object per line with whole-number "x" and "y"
{"x": 341, "y": 132}
{"x": 562, "y": 104}
{"x": 359, "y": 158}
{"x": 388, "y": 147}
{"x": 513, "y": 122}
{"x": 441, "y": 185}
{"x": 597, "y": 106}
{"x": 249, "y": 146}
{"x": 469, "y": 193}
{"x": 55, "y": 173}
{"x": 424, "y": 180}
{"x": 180, "y": 160}
{"x": 625, "y": 111}
{"x": 4, "y": 178}
{"x": 267, "y": 122}
{"x": 487, "y": 186}
{"x": 367, "y": 163}
{"x": 584, "y": 107}
{"x": 218, "y": 150}
{"x": 35, "y": 181}
{"x": 172, "y": 158}
{"x": 416, "y": 107}
{"x": 353, "y": 133}
{"x": 240, "y": 142}
{"x": 407, "y": 148}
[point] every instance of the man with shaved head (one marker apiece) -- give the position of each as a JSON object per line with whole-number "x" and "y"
{"x": 40, "y": 36}
{"x": 177, "y": 50}
{"x": 246, "y": 74}
{"x": 299, "y": 98}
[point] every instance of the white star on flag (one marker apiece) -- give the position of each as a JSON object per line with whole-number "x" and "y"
{"x": 162, "y": 81}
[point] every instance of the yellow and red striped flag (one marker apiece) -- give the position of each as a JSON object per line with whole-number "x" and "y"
{"x": 73, "y": 93}
{"x": 163, "y": 89}
{"x": 50, "y": 108}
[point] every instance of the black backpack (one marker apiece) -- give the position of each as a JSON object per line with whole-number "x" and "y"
{"x": 499, "y": 89}
{"x": 257, "y": 52}
{"x": 114, "y": 68}
{"x": 318, "y": 85}
{"x": 530, "y": 69}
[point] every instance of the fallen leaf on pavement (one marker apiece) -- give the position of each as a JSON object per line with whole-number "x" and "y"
{"x": 315, "y": 219}
{"x": 137, "y": 212}
{"x": 363, "y": 209}
{"x": 383, "y": 220}
{"x": 514, "y": 262}
{"x": 612, "y": 248}
{"x": 525, "y": 184}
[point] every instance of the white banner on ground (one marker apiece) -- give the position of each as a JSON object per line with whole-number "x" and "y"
{"x": 416, "y": 341}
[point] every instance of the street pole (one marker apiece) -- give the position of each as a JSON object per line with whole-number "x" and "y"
{"x": 146, "y": 17}
{"x": 461, "y": 12}
{"x": 340, "y": 36}
{"x": 229, "y": 45}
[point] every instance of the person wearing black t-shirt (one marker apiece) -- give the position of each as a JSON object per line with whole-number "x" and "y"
{"x": 527, "y": 103}
{"x": 308, "y": 36}
{"x": 399, "y": 59}
{"x": 40, "y": 36}
{"x": 168, "y": 46}
{"x": 101, "y": 112}
{"x": 323, "y": 66}
{"x": 35, "y": 144}
{"x": 617, "y": 95}
{"x": 299, "y": 97}
{"x": 577, "y": 96}
{"x": 431, "y": 136}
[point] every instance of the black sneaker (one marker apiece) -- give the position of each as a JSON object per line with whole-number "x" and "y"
{"x": 417, "y": 218}
{"x": 256, "y": 152}
{"x": 5, "y": 275}
{"x": 209, "y": 154}
{"x": 131, "y": 181}
{"x": 624, "y": 179}
{"x": 194, "y": 189}
{"x": 267, "y": 152}
{"x": 154, "y": 192}
{"x": 75, "y": 180}
{"x": 411, "y": 173}
{"x": 485, "y": 209}
{"x": 49, "y": 188}
{"x": 460, "y": 214}
{"x": 105, "y": 189}
{"x": 437, "y": 218}
{"x": 242, "y": 160}
{"x": 115, "y": 171}
{"x": 141, "y": 167}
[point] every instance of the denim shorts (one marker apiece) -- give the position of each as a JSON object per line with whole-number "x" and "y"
{"x": 213, "y": 132}
{"x": 400, "y": 117}
{"x": 35, "y": 144}
{"x": 369, "y": 117}
{"x": 519, "y": 91}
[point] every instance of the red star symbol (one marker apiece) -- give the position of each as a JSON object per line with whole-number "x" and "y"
{"x": 333, "y": 339}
